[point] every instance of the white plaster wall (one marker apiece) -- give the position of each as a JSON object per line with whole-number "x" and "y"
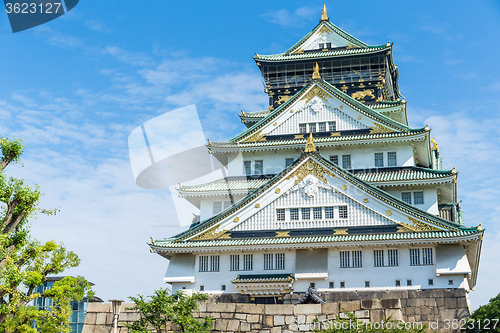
{"x": 430, "y": 197}
{"x": 207, "y": 204}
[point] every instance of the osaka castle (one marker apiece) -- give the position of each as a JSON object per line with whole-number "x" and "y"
{"x": 329, "y": 188}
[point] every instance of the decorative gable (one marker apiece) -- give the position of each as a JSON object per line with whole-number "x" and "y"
{"x": 325, "y": 37}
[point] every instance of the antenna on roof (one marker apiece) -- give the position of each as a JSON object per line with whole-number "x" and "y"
{"x": 324, "y": 17}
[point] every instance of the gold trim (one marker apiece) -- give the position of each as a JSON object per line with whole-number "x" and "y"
{"x": 316, "y": 91}
{"x": 324, "y": 28}
{"x": 324, "y": 17}
{"x": 298, "y": 136}
{"x": 282, "y": 234}
{"x": 310, "y": 144}
{"x": 277, "y": 191}
{"x": 416, "y": 225}
{"x": 388, "y": 213}
{"x": 344, "y": 187}
{"x": 275, "y": 123}
{"x": 316, "y": 72}
{"x": 365, "y": 200}
{"x": 334, "y": 134}
{"x": 311, "y": 167}
{"x": 259, "y": 136}
{"x": 402, "y": 228}
{"x": 359, "y": 117}
{"x": 257, "y": 205}
{"x": 236, "y": 219}
{"x": 341, "y": 232}
{"x": 379, "y": 129}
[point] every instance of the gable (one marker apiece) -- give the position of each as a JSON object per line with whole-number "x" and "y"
{"x": 325, "y": 34}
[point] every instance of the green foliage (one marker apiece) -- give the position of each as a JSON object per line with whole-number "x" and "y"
{"x": 163, "y": 308}
{"x": 351, "y": 324}
{"x": 486, "y": 318}
{"x": 25, "y": 262}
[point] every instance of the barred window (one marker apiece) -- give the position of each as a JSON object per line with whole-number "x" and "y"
{"x": 331, "y": 284}
{"x": 329, "y": 213}
{"x": 344, "y": 259}
{"x": 202, "y": 288}
{"x": 406, "y": 197}
{"x": 227, "y": 204}
{"x": 398, "y": 283}
{"x": 312, "y": 127}
{"x": 247, "y": 167}
{"x": 367, "y": 284}
{"x": 248, "y": 262}
{"x": 302, "y": 128}
{"x": 268, "y": 261}
{"x": 321, "y": 45}
{"x": 414, "y": 257}
{"x": 214, "y": 263}
{"x": 317, "y": 213}
{"x": 294, "y": 214}
{"x": 427, "y": 256}
{"x": 391, "y": 159}
{"x": 235, "y": 262}
{"x": 342, "y": 284}
{"x": 342, "y": 212}
{"x": 379, "y": 160}
{"x": 334, "y": 159}
{"x": 306, "y": 213}
{"x": 357, "y": 259}
{"x": 393, "y": 257}
{"x": 378, "y": 258}
{"x": 288, "y": 162}
{"x": 328, "y": 45}
{"x": 259, "y": 167}
{"x": 203, "y": 263}
{"x": 217, "y": 207}
{"x": 280, "y": 260}
{"x": 418, "y": 198}
{"x": 431, "y": 282}
{"x": 408, "y": 282}
{"x": 346, "y": 161}
{"x": 280, "y": 214}
{"x": 322, "y": 127}
{"x": 332, "y": 126}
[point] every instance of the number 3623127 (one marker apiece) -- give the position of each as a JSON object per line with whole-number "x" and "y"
{"x": 32, "y": 8}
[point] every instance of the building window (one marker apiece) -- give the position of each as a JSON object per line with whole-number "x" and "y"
{"x": 280, "y": 214}
{"x": 294, "y": 214}
{"x": 202, "y": 288}
{"x": 259, "y": 167}
{"x": 317, "y": 213}
{"x": 379, "y": 160}
{"x": 268, "y": 261}
{"x": 329, "y": 213}
{"x": 431, "y": 282}
{"x": 247, "y": 167}
{"x": 418, "y": 198}
{"x": 312, "y": 285}
{"x": 306, "y": 213}
{"x": 342, "y": 284}
{"x": 321, "y": 45}
{"x": 393, "y": 257}
{"x": 398, "y": 283}
{"x": 427, "y": 256}
{"x": 408, "y": 282}
{"x": 214, "y": 263}
{"x": 342, "y": 212}
{"x": 203, "y": 263}
{"x": 450, "y": 282}
{"x": 274, "y": 261}
{"x": 217, "y": 207}
{"x": 344, "y": 259}
{"x": 334, "y": 159}
{"x": 391, "y": 159}
{"x": 235, "y": 262}
{"x": 248, "y": 262}
{"x": 312, "y": 127}
{"x": 357, "y": 259}
{"x": 302, "y": 128}
{"x": 331, "y": 284}
{"x": 328, "y": 45}
{"x": 367, "y": 284}
{"x": 223, "y": 287}
{"x": 288, "y": 162}
{"x": 280, "y": 260}
{"x": 332, "y": 126}
{"x": 378, "y": 258}
{"x": 227, "y": 204}
{"x": 322, "y": 127}
{"x": 346, "y": 162}
{"x": 406, "y": 197}
{"x": 414, "y": 257}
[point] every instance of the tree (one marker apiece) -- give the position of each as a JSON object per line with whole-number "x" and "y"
{"x": 25, "y": 262}
{"x": 486, "y": 318}
{"x": 163, "y": 308}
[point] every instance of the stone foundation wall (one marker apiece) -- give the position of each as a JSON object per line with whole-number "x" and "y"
{"x": 426, "y": 306}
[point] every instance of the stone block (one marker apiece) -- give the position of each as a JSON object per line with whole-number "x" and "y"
{"x": 391, "y": 303}
{"x": 253, "y": 318}
{"x": 350, "y": 306}
{"x": 343, "y": 315}
{"x": 409, "y": 311}
{"x": 331, "y": 316}
{"x": 99, "y": 307}
{"x": 240, "y": 316}
{"x": 394, "y": 314}
{"x": 278, "y": 309}
{"x": 268, "y": 321}
{"x": 304, "y": 327}
{"x": 233, "y": 325}
{"x": 250, "y": 308}
{"x": 227, "y": 315}
{"x": 307, "y": 309}
{"x": 129, "y": 316}
{"x": 425, "y": 310}
{"x": 450, "y": 303}
{"x": 321, "y": 318}
{"x": 276, "y": 330}
{"x": 362, "y": 314}
{"x": 90, "y": 318}
{"x": 430, "y": 302}
{"x": 101, "y": 318}
{"x": 221, "y": 307}
{"x": 301, "y": 319}
{"x": 376, "y": 315}
{"x": 289, "y": 319}
{"x": 221, "y": 325}
{"x": 462, "y": 303}
{"x": 279, "y": 320}
{"x": 256, "y": 326}
{"x": 310, "y": 319}
{"x": 215, "y": 315}
{"x": 244, "y": 327}
{"x": 330, "y": 308}
{"x": 265, "y": 331}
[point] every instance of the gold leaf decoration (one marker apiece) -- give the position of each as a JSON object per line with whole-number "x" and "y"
{"x": 298, "y": 136}
{"x": 362, "y": 94}
{"x": 282, "y": 234}
{"x": 316, "y": 91}
{"x": 210, "y": 234}
{"x": 259, "y": 136}
{"x": 380, "y": 129}
{"x": 365, "y": 200}
{"x": 388, "y": 213}
{"x": 324, "y": 28}
{"x": 335, "y": 134}
{"x": 419, "y": 226}
{"x": 310, "y": 167}
{"x": 402, "y": 228}
{"x": 341, "y": 232}
{"x": 344, "y": 187}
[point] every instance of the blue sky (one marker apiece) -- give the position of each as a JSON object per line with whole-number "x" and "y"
{"x": 76, "y": 87}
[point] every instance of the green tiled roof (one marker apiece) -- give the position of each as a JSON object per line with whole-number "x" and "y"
{"x": 320, "y": 54}
{"x": 255, "y": 114}
{"x": 169, "y": 243}
{"x": 257, "y": 278}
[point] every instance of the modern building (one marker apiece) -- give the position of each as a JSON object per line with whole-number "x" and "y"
{"x": 328, "y": 188}
{"x": 77, "y": 317}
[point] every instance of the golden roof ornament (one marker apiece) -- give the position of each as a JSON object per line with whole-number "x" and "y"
{"x": 316, "y": 72}
{"x": 454, "y": 170}
{"x": 310, "y": 144}
{"x": 324, "y": 17}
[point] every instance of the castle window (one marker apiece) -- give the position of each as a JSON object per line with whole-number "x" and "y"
{"x": 274, "y": 261}
{"x": 203, "y": 263}
{"x": 223, "y": 287}
{"x": 328, "y": 45}
{"x": 344, "y": 259}
{"x": 214, "y": 263}
{"x": 280, "y": 260}
{"x": 306, "y": 213}
{"x": 450, "y": 282}
{"x": 357, "y": 259}
{"x": 248, "y": 262}
{"x": 398, "y": 283}
{"x": 408, "y": 282}
{"x": 294, "y": 214}
{"x": 367, "y": 284}
{"x": 321, "y": 45}
{"x": 268, "y": 261}
{"x": 334, "y": 159}
{"x": 322, "y": 127}
{"x": 342, "y": 284}
{"x": 217, "y": 207}
{"x": 342, "y": 212}
{"x": 346, "y": 162}
{"x": 312, "y": 127}
{"x": 235, "y": 262}
{"x": 259, "y": 167}
{"x": 391, "y": 159}
{"x": 288, "y": 162}
{"x": 393, "y": 257}
{"x": 414, "y": 257}
{"x": 202, "y": 288}
{"x": 406, "y": 197}
{"x": 312, "y": 285}
{"x": 332, "y": 126}
{"x": 418, "y": 198}
{"x": 431, "y": 282}
{"x": 317, "y": 213}
{"x": 427, "y": 256}
{"x": 331, "y": 284}
{"x": 280, "y": 214}
{"x": 302, "y": 128}
{"x": 379, "y": 160}
{"x": 247, "y": 167}
{"x": 378, "y": 258}
{"x": 329, "y": 213}
{"x": 227, "y": 204}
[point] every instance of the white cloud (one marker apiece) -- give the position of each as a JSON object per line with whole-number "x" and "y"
{"x": 287, "y": 18}
{"x": 97, "y": 25}
{"x": 128, "y": 57}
